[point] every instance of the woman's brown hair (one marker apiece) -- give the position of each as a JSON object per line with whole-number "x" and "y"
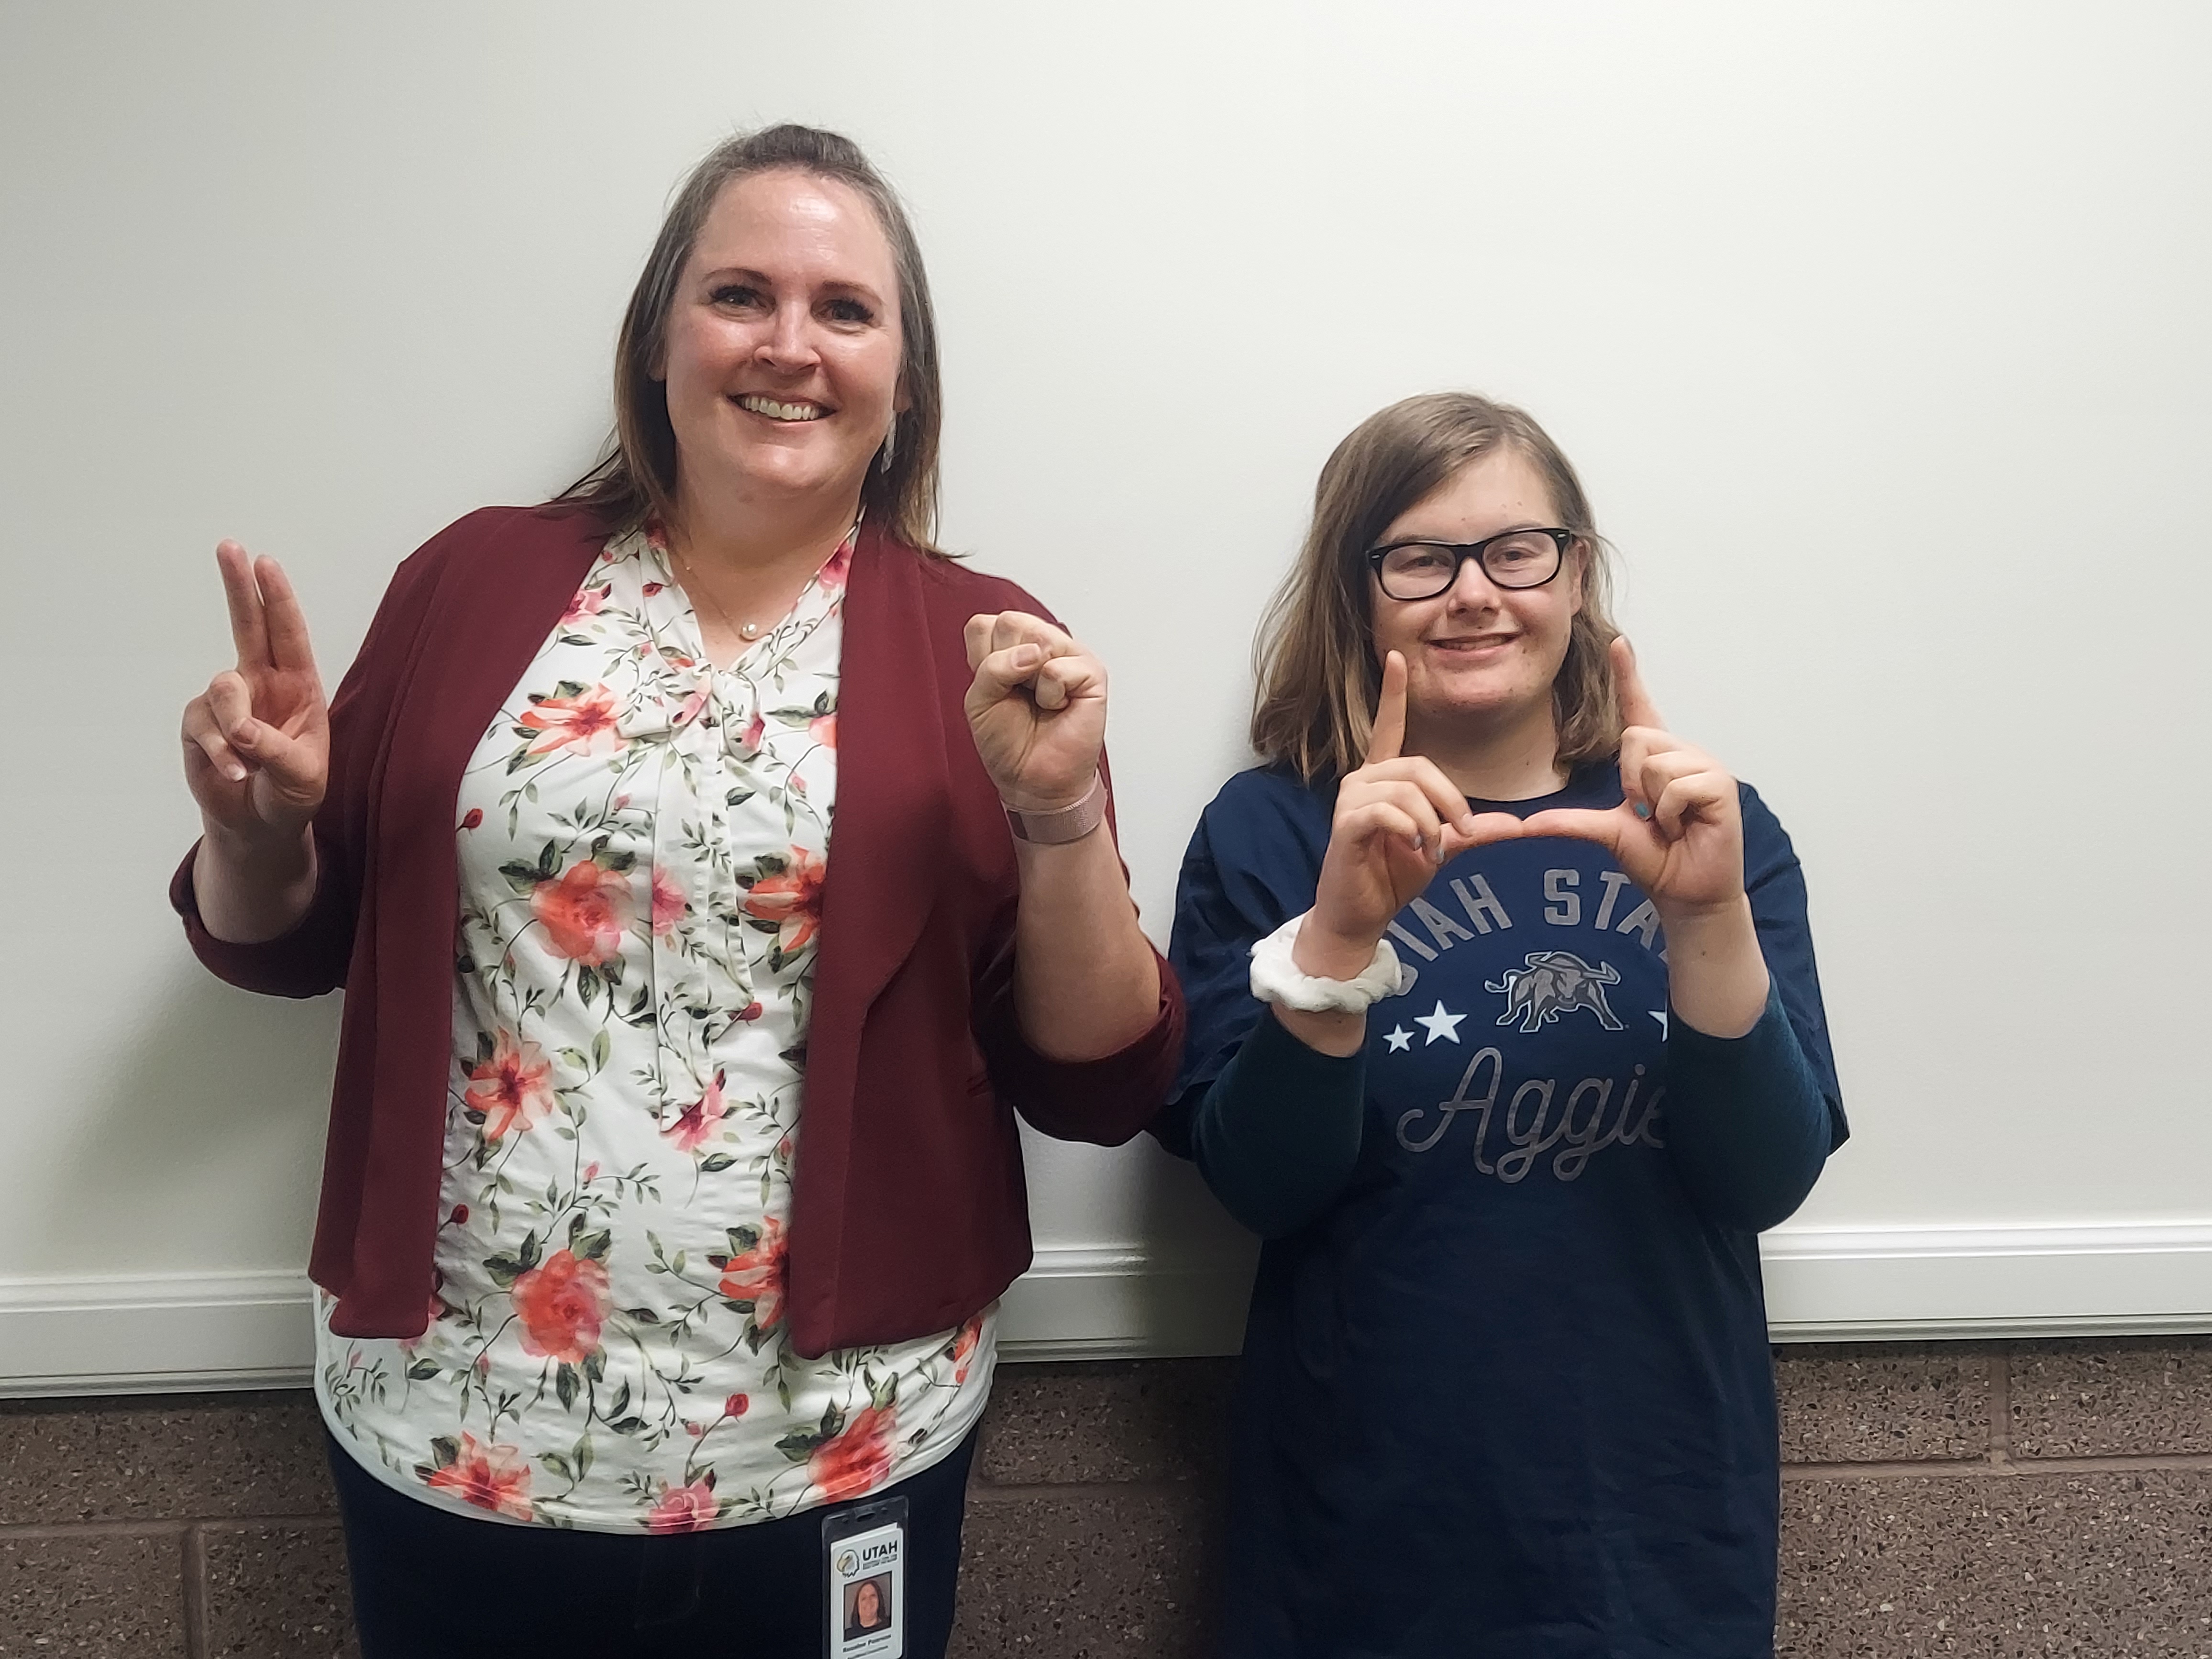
{"x": 636, "y": 477}
{"x": 1318, "y": 681}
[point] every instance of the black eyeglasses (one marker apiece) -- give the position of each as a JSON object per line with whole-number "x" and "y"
{"x": 1421, "y": 570}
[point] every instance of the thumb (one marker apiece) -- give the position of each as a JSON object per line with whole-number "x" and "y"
{"x": 294, "y": 768}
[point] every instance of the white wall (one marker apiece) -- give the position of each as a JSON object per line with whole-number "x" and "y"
{"x": 1877, "y": 331}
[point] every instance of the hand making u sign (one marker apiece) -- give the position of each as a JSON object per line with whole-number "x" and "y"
{"x": 1678, "y": 834}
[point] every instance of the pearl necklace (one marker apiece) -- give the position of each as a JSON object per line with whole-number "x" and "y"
{"x": 746, "y": 630}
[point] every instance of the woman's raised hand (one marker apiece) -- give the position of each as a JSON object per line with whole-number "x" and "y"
{"x": 1398, "y": 817}
{"x": 1036, "y": 709}
{"x": 258, "y": 740}
{"x": 1678, "y": 833}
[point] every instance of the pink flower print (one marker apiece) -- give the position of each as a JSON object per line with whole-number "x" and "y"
{"x": 855, "y": 1460}
{"x": 652, "y": 588}
{"x": 495, "y": 1478}
{"x": 656, "y": 534}
{"x": 837, "y": 569}
{"x": 792, "y": 898}
{"x": 581, "y": 725}
{"x": 684, "y": 1508}
{"x": 585, "y": 912}
{"x": 822, "y": 728}
{"x": 472, "y": 818}
{"x": 562, "y": 1304}
{"x": 698, "y": 1120}
{"x": 668, "y": 904}
{"x": 757, "y": 1276}
{"x": 586, "y": 604}
{"x": 963, "y": 1346}
{"x": 591, "y": 1172}
{"x": 514, "y": 1089}
{"x": 756, "y": 734}
{"x": 736, "y": 1406}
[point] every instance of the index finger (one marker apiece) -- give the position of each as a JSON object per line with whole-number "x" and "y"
{"x": 249, "y": 630}
{"x": 283, "y": 623}
{"x": 1637, "y": 708}
{"x": 1388, "y": 735}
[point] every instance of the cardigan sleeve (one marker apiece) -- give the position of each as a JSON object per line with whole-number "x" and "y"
{"x": 312, "y": 957}
{"x": 1106, "y": 1100}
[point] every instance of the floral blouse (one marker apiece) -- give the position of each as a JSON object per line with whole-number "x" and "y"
{"x": 642, "y": 843}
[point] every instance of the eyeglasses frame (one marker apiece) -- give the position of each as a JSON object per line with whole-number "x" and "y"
{"x": 1466, "y": 550}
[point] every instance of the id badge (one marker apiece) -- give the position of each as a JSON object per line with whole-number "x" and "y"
{"x": 864, "y": 1554}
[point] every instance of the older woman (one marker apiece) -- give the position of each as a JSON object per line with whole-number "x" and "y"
{"x": 1506, "y": 1035}
{"x": 672, "y": 1174}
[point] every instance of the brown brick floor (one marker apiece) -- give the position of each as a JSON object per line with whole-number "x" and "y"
{"x": 1985, "y": 1500}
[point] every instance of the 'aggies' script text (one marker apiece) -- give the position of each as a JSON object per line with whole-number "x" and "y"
{"x": 1586, "y": 1125}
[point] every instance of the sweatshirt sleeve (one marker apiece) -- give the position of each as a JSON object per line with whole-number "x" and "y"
{"x": 1751, "y": 1120}
{"x": 1274, "y": 1125}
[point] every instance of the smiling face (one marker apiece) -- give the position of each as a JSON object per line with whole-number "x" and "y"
{"x": 783, "y": 344}
{"x": 1478, "y": 651}
{"x": 868, "y": 1605}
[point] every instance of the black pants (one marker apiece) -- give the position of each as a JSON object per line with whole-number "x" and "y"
{"x": 431, "y": 1584}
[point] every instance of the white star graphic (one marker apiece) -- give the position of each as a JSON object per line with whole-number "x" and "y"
{"x": 1442, "y": 1027}
{"x": 1659, "y": 1014}
{"x": 1399, "y": 1038}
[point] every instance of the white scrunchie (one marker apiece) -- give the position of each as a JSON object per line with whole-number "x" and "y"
{"x": 1276, "y": 978}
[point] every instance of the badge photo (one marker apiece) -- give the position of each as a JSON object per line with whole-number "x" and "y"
{"x": 864, "y": 1554}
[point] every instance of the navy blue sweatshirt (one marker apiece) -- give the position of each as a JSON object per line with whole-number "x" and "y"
{"x": 1506, "y": 1386}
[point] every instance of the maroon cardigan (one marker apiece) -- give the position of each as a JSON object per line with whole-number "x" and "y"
{"x": 908, "y": 1209}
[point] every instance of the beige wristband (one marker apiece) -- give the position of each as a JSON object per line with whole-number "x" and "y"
{"x": 1068, "y": 823}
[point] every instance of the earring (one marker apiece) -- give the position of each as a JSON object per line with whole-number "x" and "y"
{"x": 889, "y": 448}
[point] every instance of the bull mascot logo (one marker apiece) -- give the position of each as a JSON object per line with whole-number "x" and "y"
{"x": 1555, "y": 982}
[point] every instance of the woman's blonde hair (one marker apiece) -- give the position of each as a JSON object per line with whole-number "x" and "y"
{"x": 1318, "y": 679}
{"x": 636, "y": 479}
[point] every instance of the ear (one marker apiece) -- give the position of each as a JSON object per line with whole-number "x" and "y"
{"x": 1576, "y": 565}
{"x": 900, "y": 401}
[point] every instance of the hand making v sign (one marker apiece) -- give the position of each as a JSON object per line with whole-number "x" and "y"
{"x": 258, "y": 740}
{"x": 256, "y": 759}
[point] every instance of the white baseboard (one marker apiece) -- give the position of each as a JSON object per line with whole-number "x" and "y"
{"x": 163, "y": 1333}
{"x": 1827, "y": 1285}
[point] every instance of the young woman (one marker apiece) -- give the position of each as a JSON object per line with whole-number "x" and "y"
{"x": 1505, "y": 1035}
{"x": 673, "y": 1174}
